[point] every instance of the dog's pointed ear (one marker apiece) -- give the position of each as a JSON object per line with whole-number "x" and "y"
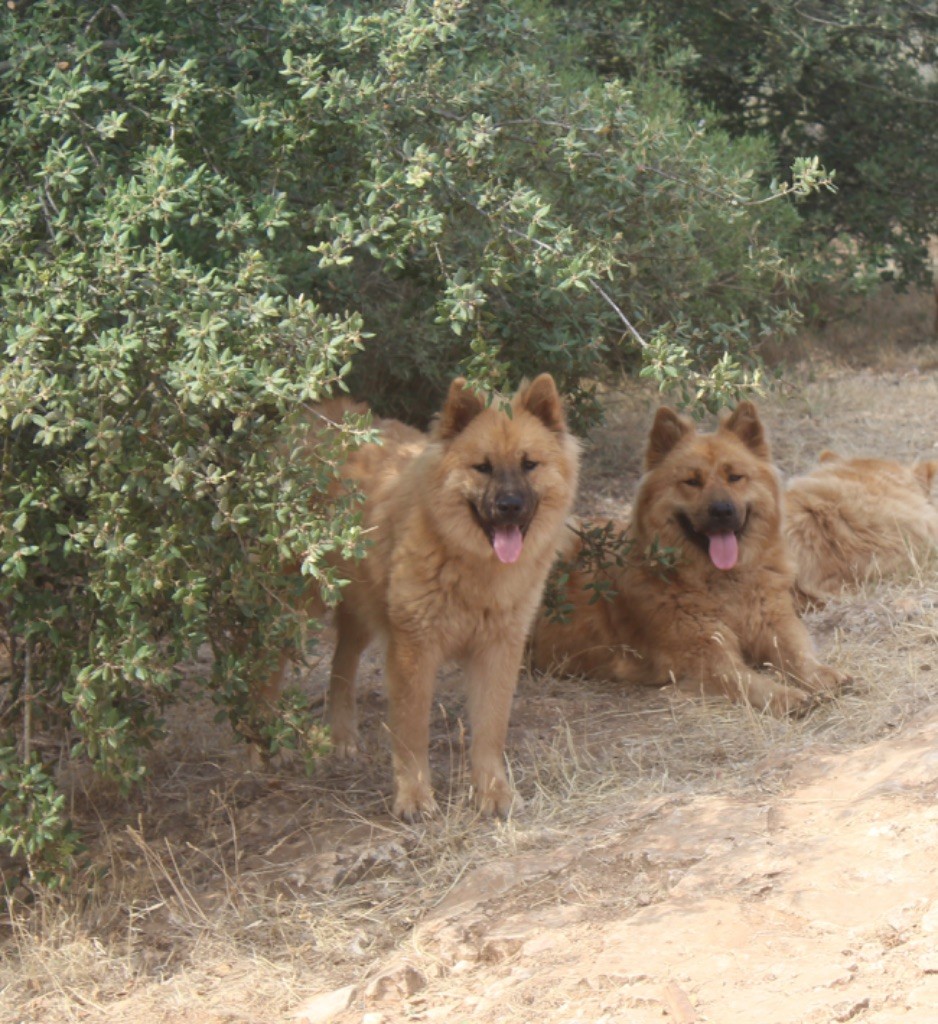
{"x": 744, "y": 422}
{"x": 668, "y": 429}
{"x": 541, "y": 399}
{"x": 461, "y": 408}
{"x": 925, "y": 472}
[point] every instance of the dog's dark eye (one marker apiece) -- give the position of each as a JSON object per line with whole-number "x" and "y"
{"x": 734, "y": 478}
{"x": 694, "y": 482}
{"x": 528, "y": 464}
{"x": 483, "y": 467}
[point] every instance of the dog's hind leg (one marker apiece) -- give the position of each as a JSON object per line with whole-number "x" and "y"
{"x": 341, "y": 712}
{"x": 267, "y": 694}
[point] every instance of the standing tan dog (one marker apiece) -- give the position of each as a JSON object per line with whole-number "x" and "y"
{"x": 465, "y": 524}
{"x": 719, "y": 612}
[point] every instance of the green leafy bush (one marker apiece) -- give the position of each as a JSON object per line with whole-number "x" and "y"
{"x": 153, "y": 350}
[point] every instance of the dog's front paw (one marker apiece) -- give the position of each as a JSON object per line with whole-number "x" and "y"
{"x": 789, "y": 701}
{"x": 494, "y": 796}
{"x": 766, "y": 693}
{"x": 344, "y": 737}
{"x": 345, "y": 747}
{"x": 414, "y": 800}
{"x": 824, "y": 679}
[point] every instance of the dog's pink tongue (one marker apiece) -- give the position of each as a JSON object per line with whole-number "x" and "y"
{"x": 724, "y": 550}
{"x": 507, "y": 541}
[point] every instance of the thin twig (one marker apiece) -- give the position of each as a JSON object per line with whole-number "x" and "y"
{"x": 27, "y": 702}
{"x": 553, "y": 249}
{"x": 628, "y": 324}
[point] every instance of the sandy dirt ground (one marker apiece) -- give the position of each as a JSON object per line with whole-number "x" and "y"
{"x": 677, "y": 860}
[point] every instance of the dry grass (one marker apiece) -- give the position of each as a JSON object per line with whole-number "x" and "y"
{"x": 222, "y": 895}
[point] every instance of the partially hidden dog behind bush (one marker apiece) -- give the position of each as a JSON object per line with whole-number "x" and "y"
{"x": 703, "y": 597}
{"x": 464, "y": 525}
{"x": 852, "y": 518}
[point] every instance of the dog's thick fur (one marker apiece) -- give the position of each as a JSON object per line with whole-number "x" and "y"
{"x": 464, "y": 526}
{"x": 724, "y": 614}
{"x": 850, "y": 518}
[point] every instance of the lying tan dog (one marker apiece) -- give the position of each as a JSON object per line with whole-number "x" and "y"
{"x": 464, "y": 524}
{"x": 851, "y": 518}
{"x": 723, "y": 615}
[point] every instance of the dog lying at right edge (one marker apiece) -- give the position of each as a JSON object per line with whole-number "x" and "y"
{"x": 852, "y": 518}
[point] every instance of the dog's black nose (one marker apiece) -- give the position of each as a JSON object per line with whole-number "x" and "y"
{"x": 509, "y": 503}
{"x": 722, "y": 512}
